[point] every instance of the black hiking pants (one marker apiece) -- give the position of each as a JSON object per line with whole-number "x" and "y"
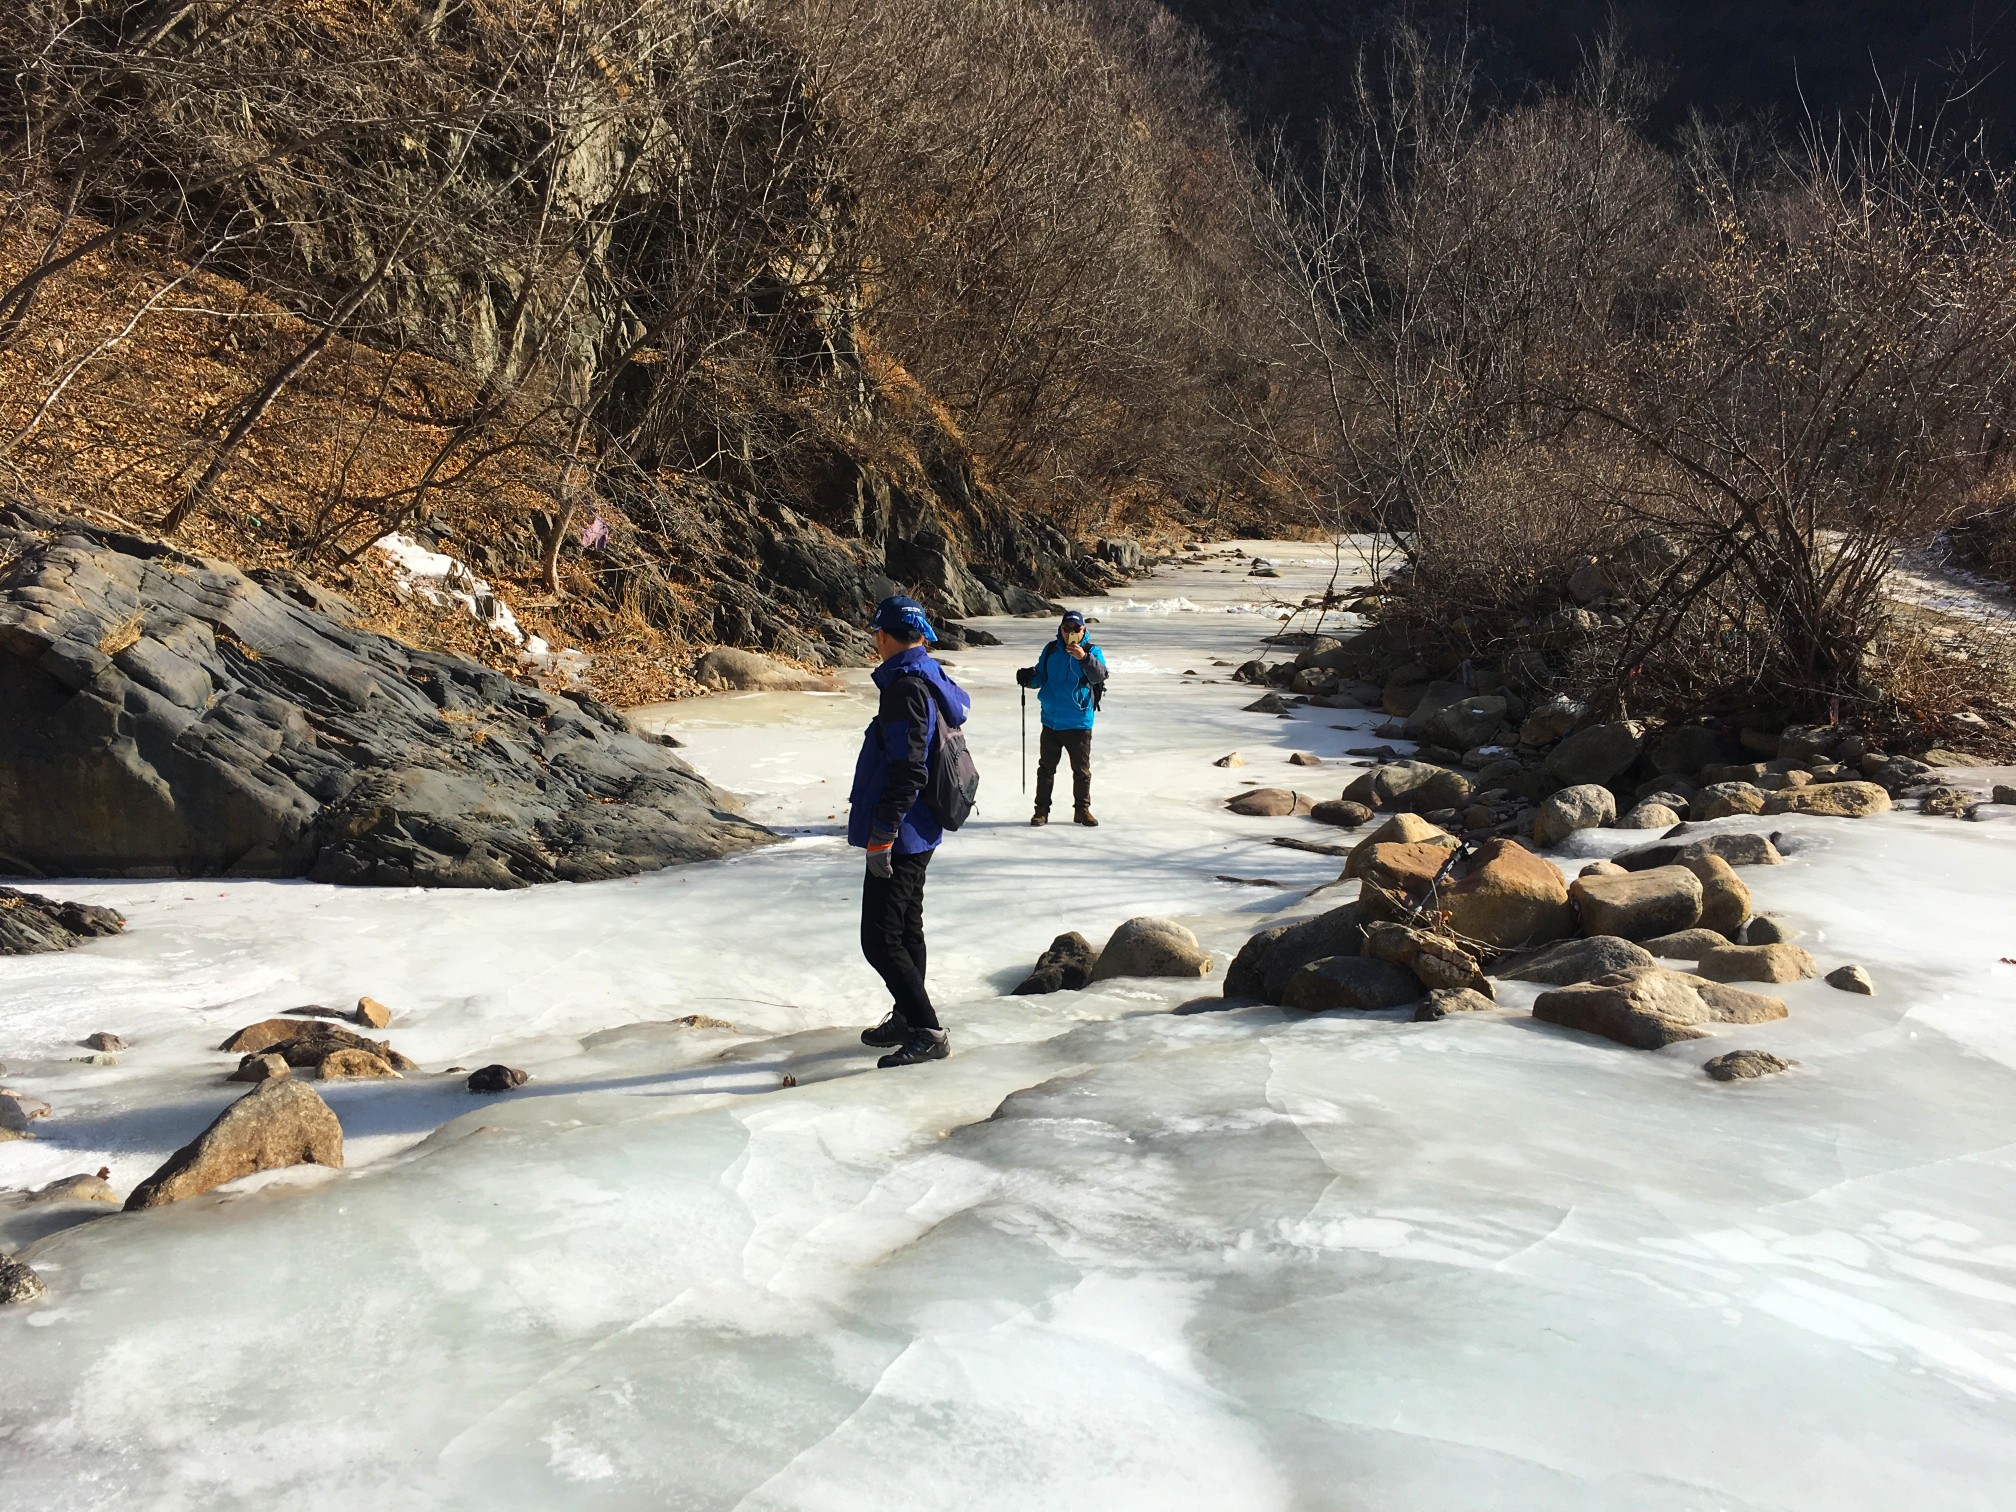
{"x": 892, "y": 935}
{"x": 1052, "y": 746}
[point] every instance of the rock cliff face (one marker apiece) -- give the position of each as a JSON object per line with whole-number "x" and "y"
{"x": 166, "y": 714}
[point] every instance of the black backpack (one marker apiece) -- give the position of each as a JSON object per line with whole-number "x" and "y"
{"x": 952, "y": 783}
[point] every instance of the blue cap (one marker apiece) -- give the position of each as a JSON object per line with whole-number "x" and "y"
{"x": 902, "y": 617}
{"x": 1073, "y": 618}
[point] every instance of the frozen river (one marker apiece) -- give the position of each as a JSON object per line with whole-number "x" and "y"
{"x": 1108, "y": 1257}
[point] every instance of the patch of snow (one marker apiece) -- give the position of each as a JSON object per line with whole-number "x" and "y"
{"x": 442, "y": 581}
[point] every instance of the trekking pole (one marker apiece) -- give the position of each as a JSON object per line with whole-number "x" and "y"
{"x": 1025, "y": 742}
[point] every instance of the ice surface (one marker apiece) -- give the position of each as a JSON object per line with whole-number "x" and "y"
{"x": 1107, "y": 1257}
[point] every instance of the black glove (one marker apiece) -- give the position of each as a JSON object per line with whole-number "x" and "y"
{"x": 881, "y": 853}
{"x": 1026, "y": 676}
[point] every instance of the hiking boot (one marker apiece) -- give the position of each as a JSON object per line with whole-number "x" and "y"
{"x": 921, "y": 1045}
{"x": 893, "y": 1030}
{"x": 1084, "y": 817}
{"x": 1041, "y": 816}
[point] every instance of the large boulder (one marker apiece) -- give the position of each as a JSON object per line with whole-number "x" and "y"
{"x": 1838, "y": 800}
{"x": 1148, "y": 947}
{"x": 1686, "y": 944}
{"x": 167, "y": 714}
{"x": 1396, "y": 879}
{"x": 1507, "y": 897}
{"x": 1437, "y": 960}
{"x": 1725, "y": 900}
{"x": 729, "y": 668}
{"x": 1065, "y": 967}
{"x": 1266, "y": 961}
{"x": 1350, "y": 982}
{"x": 1757, "y": 963}
{"x": 1465, "y": 723}
{"x": 1341, "y": 812}
{"x": 280, "y": 1123}
{"x": 1583, "y": 960}
{"x": 1430, "y": 701}
{"x": 1553, "y": 720}
{"x": 1584, "y": 806}
{"x": 1720, "y": 800}
{"x": 1650, "y": 1009}
{"x": 1401, "y": 829}
{"x": 1269, "y": 803}
{"x": 31, "y": 924}
{"x": 1638, "y": 905}
{"x": 1737, "y": 848}
{"x": 1685, "y": 749}
{"x": 1416, "y": 785}
{"x": 1599, "y": 754}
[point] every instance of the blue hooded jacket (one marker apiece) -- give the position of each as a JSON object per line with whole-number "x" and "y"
{"x": 1064, "y": 685}
{"x": 895, "y": 755}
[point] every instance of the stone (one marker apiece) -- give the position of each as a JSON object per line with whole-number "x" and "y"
{"x": 1230, "y": 759}
{"x": 1427, "y": 702}
{"x": 1505, "y": 897}
{"x": 1743, "y": 1065}
{"x": 259, "y": 1068}
{"x": 80, "y": 1188}
{"x": 1268, "y": 803}
{"x": 2002, "y": 793}
{"x": 243, "y": 731}
{"x": 353, "y": 1065}
{"x": 1835, "y": 800}
{"x": 17, "y": 1282}
{"x": 1465, "y": 723}
{"x": 14, "y": 1114}
{"x": 255, "y": 1038}
{"x": 1312, "y": 681}
{"x": 1436, "y": 960}
{"x": 1598, "y": 754}
{"x": 1268, "y": 703}
{"x": 1394, "y": 880}
{"x": 1065, "y": 967}
{"x": 371, "y": 1013}
{"x": 1737, "y": 848}
{"x": 1944, "y": 756}
{"x": 1582, "y": 960}
{"x": 1444, "y": 1001}
{"x": 96, "y": 1058}
{"x": 1649, "y": 816}
{"x": 1350, "y": 981}
{"x": 1601, "y": 869}
{"x": 1305, "y": 759}
{"x": 1686, "y": 944}
{"x": 104, "y": 1039}
{"x": 1947, "y": 802}
{"x": 1639, "y": 905}
{"x": 31, "y": 924}
{"x": 1650, "y": 1009}
{"x": 1401, "y": 829}
{"x": 496, "y": 1078}
{"x": 1768, "y": 929}
{"x": 279, "y": 1123}
{"x": 702, "y": 1021}
{"x": 1584, "y": 806}
{"x": 1267, "y": 960}
{"x": 1719, "y": 800}
{"x": 731, "y": 669}
{"x": 1149, "y": 947}
{"x": 1341, "y": 812}
{"x": 1409, "y": 785}
{"x": 1757, "y": 963}
{"x": 1685, "y": 749}
{"x": 1851, "y": 978}
{"x": 1725, "y": 901}
{"x": 1553, "y": 720}
{"x": 1590, "y": 582}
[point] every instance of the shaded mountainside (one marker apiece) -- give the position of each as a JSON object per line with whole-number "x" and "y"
{"x": 168, "y": 714}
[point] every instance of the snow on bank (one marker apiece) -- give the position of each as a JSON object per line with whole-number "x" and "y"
{"x": 445, "y": 582}
{"x": 1107, "y": 1257}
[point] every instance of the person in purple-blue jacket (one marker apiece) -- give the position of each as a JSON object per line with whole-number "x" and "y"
{"x": 891, "y": 819}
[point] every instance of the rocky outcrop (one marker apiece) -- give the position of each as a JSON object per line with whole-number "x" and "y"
{"x": 1648, "y": 1010}
{"x": 31, "y": 924}
{"x": 169, "y": 715}
{"x": 281, "y": 1123}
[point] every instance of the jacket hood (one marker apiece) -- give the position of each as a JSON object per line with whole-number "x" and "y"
{"x": 953, "y": 702}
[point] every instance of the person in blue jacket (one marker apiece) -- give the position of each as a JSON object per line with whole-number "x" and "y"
{"x": 1069, "y": 677}
{"x": 891, "y": 819}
